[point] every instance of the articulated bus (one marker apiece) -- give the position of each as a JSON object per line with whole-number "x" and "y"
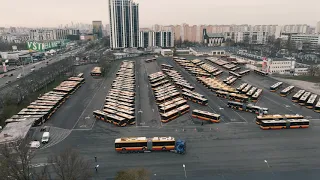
{"x": 245, "y": 72}
{"x": 166, "y": 98}
{"x": 251, "y": 92}
{"x": 141, "y": 144}
{"x": 317, "y": 107}
{"x": 235, "y": 74}
{"x": 262, "y": 73}
{"x": 172, "y": 106}
{"x": 276, "y": 86}
{"x": 170, "y": 102}
{"x": 232, "y": 96}
{"x": 297, "y": 96}
{"x": 246, "y": 89}
{"x": 286, "y": 91}
{"x": 205, "y": 115}
{"x": 110, "y": 118}
{"x": 277, "y": 117}
{"x": 166, "y": 66}
{"x": 304, "y": 98}
{"x": 195, "y": 99}
{"x": 193, "y": 93}
{"x": 168, "y": 116}
{"x": 243, "y": 85}
{"x": 247, "y": 107}
{"x": 284, "y": 124}
{"x": 312, "y": 101}
{"x": 96, "y": 71}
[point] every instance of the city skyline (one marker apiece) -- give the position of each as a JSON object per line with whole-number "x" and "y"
{"x": 53, "y": 14}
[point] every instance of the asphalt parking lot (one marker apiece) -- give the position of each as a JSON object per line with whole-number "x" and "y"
{"x": 236, "y": 148}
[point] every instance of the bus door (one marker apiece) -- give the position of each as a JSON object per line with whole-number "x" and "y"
{"x": 149, "y": 144}
{"x": 288, "y": 124}
{"x": 244, "y": 107}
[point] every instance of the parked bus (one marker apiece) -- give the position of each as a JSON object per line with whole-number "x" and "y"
{"x": 158, "y": 84}
{"x": 106, "y": 106}
{"x": 80, "y": 75}
{"x": 251, "y": 92}
{"x": 170, "y": 102}
{"x": 286, "y": 91}
{"x": 312, "y": 101}
{"x": 246, "y": 89}
{"x": 276, "y": 86}
{"x": 166, "y": 66}
{"x": 243, "y": 85}
{"x": 238, "y": 97}
{"x": 186, "y": 86}
{"x": 96, "y": 71}
{"x": 262, "y": 73}
{"x": 248, "y": 107}
{"x": 172, "y": 106}
{"x": 142, "y": 144}
{"x": 167, "y": 97}
{"x": 195, "y": 99}
{"x": 317, "y": 107}
{"x": 205, "y": 115}
{"x": 277, "y": 117}
{"x": 111, "y": 118}
{"x": 235, "y": 74}
{"x": 256, "y": 95}
{"x": 193, "y": 93}
{"x": 284, "y": 124}
{"x": 235, "y": 69}
{"x": 168, "y": 116}
{"x": 304, "y": 98}
{"x": 245, "y": 72}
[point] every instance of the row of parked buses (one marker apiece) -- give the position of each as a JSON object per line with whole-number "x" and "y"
{"x": 277, "y": 121}
{"x": 305, "y": 98}
{"x": 214, "y": 85}
{"x": 119, "y": 107}
{"x": 96, "y": 72}
{"x": 250, "y": 91}
{"x": 177, "y": 79}
{"x": 230, "y": 80}
{"x": 150, "y": 60}
{"x": 211, "y": 70}
{"x": 247, "y": 107}
{"x": 47, "y": 104}
{"x": 192, "y": 68}
{"x": 170, "y": 103}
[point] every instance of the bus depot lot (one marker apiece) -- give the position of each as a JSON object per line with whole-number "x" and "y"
{"x": 234, "y": 148}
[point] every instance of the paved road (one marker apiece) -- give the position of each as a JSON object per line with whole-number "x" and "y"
{"x": 233, "y": 149}
{"x": 27, "y": 68}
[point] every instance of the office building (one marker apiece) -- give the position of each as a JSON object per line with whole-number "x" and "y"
{"x": 124, "y": 24}
{"x": 97, "y": 29}
{"x": 280, "y": 65}
{"x": 51, "y": 34}
{"x": 162, "y": 39}
{"x": 313, "y": 39}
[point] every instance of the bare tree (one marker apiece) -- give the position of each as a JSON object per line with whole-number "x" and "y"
{"x": 314, "y": 70}
{"x": 15, "y": 161}
{"x": 69, "y": 165}
{"x": 133, "y": 174}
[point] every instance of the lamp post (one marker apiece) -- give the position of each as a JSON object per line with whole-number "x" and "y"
{"x": 185, "y": 172}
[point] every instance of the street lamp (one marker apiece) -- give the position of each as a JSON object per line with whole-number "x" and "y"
{"x": 268, "y": 166}
{"x": 184, "y": 168}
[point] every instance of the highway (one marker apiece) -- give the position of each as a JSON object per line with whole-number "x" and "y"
{"x": 236, "y": 148}
{"x": 27, "y": 68}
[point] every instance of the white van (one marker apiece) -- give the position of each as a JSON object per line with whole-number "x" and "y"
{"x": 45, "y": 137}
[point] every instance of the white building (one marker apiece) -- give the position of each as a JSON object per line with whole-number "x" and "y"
{"x": 318, "y": 28}
{"x": 124, "y": 24}
{"x": 255, "y": 37}
{"x": 207, "y": 51}
{"x": 296, "y": 28}
{"x": 280, "y": 65}
{"x": 51, "y": 34}
{"x": 313, "y": 39}
{"x": 156, "y": 38}
{"x": 166, "y": 52}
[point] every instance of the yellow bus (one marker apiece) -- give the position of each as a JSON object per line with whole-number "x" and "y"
{"x": 277, "y": 117}
{"x": 141, "y": 144}
{"x": 311, "y": 101}
{"x": 284, "y": 124}
{"x": 286, "y": 91}
{"x": 256, "y": 95}
{"x": 297, "y": 96}
{"x": 96, "y": 71}
{"x": 304, "y": 98}
{"x": 276, "y": 86}
{"x": 317, "y": 107}
{"x": 205, "y": 115}
{"x": 172, "y": 106}
{"x": 168, "y": 116}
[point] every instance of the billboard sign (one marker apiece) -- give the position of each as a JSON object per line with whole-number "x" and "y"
{"x": 44, "y": 46}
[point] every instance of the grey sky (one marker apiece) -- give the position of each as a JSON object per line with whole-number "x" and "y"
{"x": 52, "y": 13}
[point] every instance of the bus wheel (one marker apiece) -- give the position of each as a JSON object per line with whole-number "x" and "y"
{"x": 300, "y": 126}
{"x": 143, "y": 149}
{"x": 123, "y": 149}
{"x": 163, "y": 148}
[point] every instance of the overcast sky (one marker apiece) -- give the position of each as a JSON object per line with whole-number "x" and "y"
{"x": 37, "y": 13}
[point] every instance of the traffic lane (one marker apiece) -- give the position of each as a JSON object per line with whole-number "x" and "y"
{"x": 148, "y": 110}
{"x": 214, "y": 102}
{"x": 238, "y": 150}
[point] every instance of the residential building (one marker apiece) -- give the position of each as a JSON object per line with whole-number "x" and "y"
{"x": 296, "y": 28}
{"x": 51, "y": 34}
{"x": 318, "y": 28}
{"x": 97, "y": 29}
{"x": 156, "y": 38}
{"x": 124, "y": 24}
{"x": 212, "y": 39}
{"x": 280, "y": 65}
{"x": 313, "y": 39}
{"x": 254, "y": 37}
{"x": 177, "y": 32}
